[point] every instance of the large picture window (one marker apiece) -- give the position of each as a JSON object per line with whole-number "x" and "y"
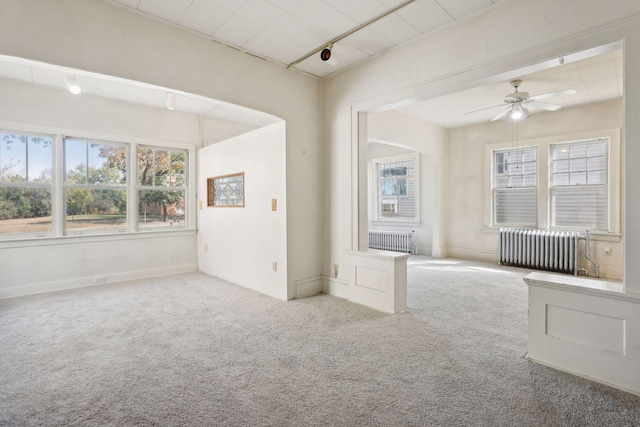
{"x": 161, "y": 187}
{"x": 578, "y": 184}
{"x": 515, "y": 187}
{"x": 25, "y": 183}
{"x": 95, "y": 186}
{"x": 56, "y": 185}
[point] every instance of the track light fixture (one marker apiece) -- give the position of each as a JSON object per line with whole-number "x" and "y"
{"x": 171, "y": 101}
{"x": 328, "y": 56}
{"x": 72, "y": 85}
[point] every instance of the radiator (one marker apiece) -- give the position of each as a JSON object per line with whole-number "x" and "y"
{"x": 539, "y": 249}
{"x": 397, "y": 241}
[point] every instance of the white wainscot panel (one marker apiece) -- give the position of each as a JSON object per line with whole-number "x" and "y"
{"x": 590, "y": 329}
{"x": 379, "y": 280}
{"x": 587, "y": 327}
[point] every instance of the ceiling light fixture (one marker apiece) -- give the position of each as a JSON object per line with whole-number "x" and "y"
{"x": 517, "y": 112}
{"x": 72, "y": 85}
{"x": 328, "y": 56}
{"x": 171, "y": 101}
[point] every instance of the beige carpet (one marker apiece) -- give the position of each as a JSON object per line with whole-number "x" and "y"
{"x": 195, "y": 350}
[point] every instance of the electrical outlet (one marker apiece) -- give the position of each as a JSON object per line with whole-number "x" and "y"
{"x": 101, "y": 279}
{"x": 206, "y": 248}
{"x": 274, "y": 266}
{"x": 335, "y": 270}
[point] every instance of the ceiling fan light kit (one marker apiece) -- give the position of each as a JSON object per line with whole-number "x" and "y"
{"x": 518, "y": 103}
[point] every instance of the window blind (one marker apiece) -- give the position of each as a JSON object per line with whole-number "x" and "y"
{"x": 578, "y": 185}
{"x": 515, "y": 187}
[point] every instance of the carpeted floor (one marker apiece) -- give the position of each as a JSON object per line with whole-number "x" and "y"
{"x": 195, "y": 350}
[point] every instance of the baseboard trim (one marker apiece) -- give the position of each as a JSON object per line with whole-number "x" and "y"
{"x": 472, "y": 254}
{"x": 81, "y": 282}
{"x": 335, "y": 287}
{"x": 586, "y": 377}
{"x": 308, "y": 287}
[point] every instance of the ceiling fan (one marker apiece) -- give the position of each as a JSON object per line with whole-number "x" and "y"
{"x": 517, "y": 103}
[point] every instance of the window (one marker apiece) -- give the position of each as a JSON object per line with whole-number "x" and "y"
{"x": 161, "y": 187}
{"x": 25, "y": 183}
{"x": 95, "y": 186}
{"x": 98, "y": 187}
{"x": 396, "y": 188}
{"x": 578, "y": 185}
{"x": 515, "y": 187}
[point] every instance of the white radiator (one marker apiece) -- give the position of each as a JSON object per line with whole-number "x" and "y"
{"x": 397, "y": 241}
{"x": 539, "y": 249}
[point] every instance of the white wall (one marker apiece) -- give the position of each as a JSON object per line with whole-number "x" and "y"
{"x": 216, "y": 130}
{"x": 243, "y": 243}
{"x": 468, "y": 197}
{"x": 473, "y": 51}
{"x": 408, "y": 134}
{"x": 96, "y": 36}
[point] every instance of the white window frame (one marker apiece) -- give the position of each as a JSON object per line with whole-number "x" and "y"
{"x": 495, "y": 189}
{"x": 606, "y": 185}
{"x": 373, "y": 187}
{"x": 50, "y": 186}
{"x": 66, "y": 186}
{"x": 184, "y": 189}
{"x": 57, "y": 233}
{"x": 614, "y": 190}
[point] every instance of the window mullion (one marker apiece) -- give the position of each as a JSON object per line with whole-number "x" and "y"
{"x": 58, "y": 203}
{"x": 132, "y": 181}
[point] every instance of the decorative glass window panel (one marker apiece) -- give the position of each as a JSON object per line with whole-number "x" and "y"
{"x": 515, "y": 187}
{"x": 579, "y": 185}
{"x": 26, "y": 164}
{"x": 226, "y": 191}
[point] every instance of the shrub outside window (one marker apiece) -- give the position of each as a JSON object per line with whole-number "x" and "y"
{"x": 95, "y": 186}
{"x": 26, "y": 177}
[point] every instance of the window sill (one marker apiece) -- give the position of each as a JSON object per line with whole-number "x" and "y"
{"x": 90, "y": 238}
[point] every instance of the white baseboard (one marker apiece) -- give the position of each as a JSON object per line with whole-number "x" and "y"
{"x": 308, "y": 287}
{"x": 587, "y": 377}
{"x": 38, "y": 288}
{"x": 472, "y": 254}
{"x": 335, "y": 287}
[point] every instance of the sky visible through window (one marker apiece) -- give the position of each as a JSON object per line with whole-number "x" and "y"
{"x": 13, "y": 158}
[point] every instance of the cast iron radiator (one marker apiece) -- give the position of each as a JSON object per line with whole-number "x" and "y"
{"x": 397, "y": 241}
{"x": 539, "y": 249}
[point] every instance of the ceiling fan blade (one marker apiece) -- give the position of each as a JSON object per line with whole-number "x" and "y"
{"x": 502, "y": 114}
{"x": 553, "y": 94}
{"x": 543, "y": 105}
{"x": 482, "y": 109}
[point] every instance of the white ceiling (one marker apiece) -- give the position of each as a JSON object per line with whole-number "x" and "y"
{"x": 128, "y": 91}
{"x": 284, "y": 31}
{"x": 595, "y": 79}
{"x": 297, "y": 23}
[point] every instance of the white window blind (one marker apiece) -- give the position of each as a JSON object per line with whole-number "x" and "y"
{"x": 515, "y": 187}
{"x": 579, "y": 185}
